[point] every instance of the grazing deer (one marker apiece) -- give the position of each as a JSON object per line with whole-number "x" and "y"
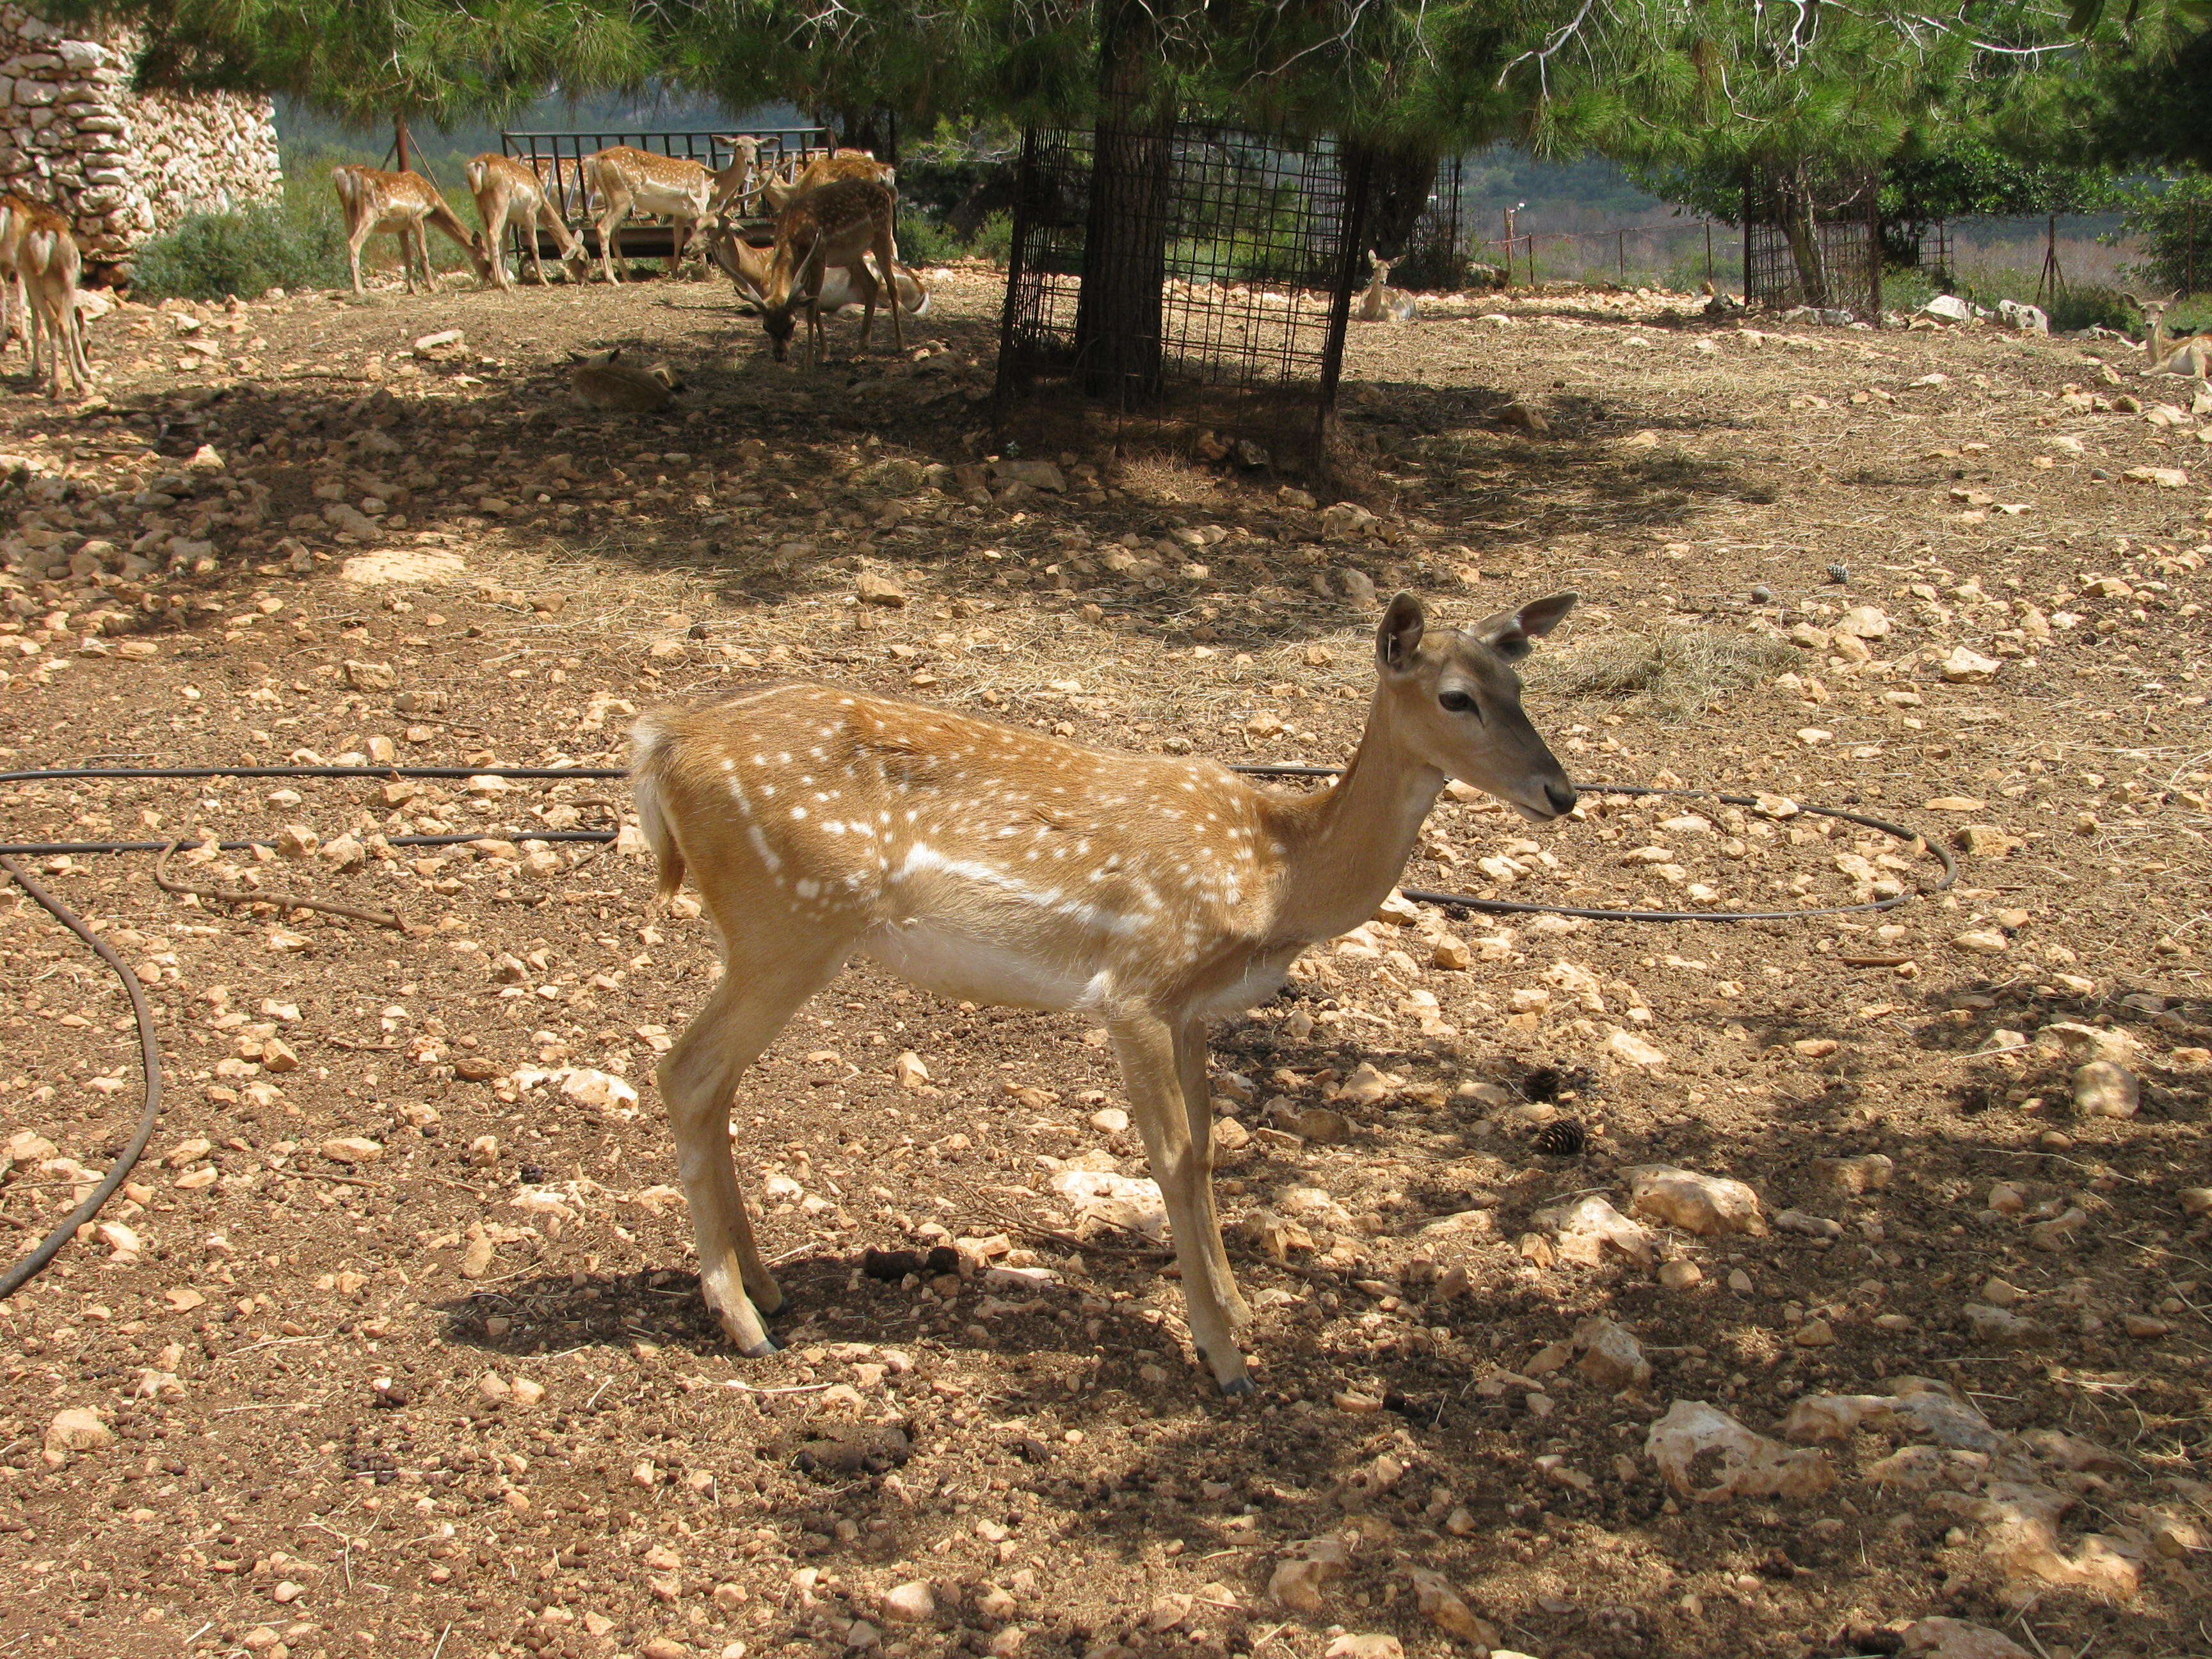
{"x": 832, "y": 226}
{"x": 47, "y": 264}
{"x": 2166, "y": 354}
{"x": 507, "y": 189}
{"x": 376, "y": 201}
{"x": 1379, "y": 303}
{"x": 988, "y": 863}
{"x": 605, "y": 383}
{"x": 748, "y": 269}
{"x": 15, "y": 301}
{"x": 824, "y": 167}
{"x": 628, "y": 180}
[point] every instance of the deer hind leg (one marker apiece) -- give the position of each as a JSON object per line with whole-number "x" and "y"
{"x": 762, "y": 985}
{"x": 887, "y": 257}
{"x": 494, "y": 223}
{"x": 1198, "y": 1110}
{"x": 539, "y": 216}
{"x": 610, "y": 221}
{"x": 1150, "y": 1051}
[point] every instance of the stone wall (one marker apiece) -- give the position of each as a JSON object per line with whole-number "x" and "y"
{"x": 123, "y": 166}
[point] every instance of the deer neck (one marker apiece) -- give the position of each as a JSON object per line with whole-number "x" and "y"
{"x": 1348, "y": 845}
{"x": 2159, "y": 344}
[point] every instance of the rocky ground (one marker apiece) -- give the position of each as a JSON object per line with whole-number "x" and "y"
{"x": 1809, "y": 1287}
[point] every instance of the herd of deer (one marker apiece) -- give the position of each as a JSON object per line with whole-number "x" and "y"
{"x": 833, "y": 209}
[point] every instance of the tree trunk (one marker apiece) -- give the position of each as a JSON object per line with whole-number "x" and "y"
{"x": 874, "y": 130}
{"x": 1800, "y": 229}
{"x": 1118, "y": 318}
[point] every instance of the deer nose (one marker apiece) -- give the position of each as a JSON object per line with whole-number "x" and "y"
{"x": 1561, "y": 794}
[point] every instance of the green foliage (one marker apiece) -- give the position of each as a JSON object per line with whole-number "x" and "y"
{"x": 2173, "y": 217}
{"x": 2090, "y": 306}
{"x": 245, "y": 252}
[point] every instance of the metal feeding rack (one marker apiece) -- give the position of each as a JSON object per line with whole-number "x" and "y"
{"x": 558, "y": 158}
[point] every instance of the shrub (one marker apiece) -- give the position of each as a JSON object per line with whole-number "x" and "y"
{"x": 2093, "y": 307}
{"x": 247, "y": 252}
{"x": 994, "y": 238}
{"x": 2174, "y": 219}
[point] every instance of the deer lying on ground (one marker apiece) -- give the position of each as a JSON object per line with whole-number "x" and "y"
{"x": 990, "y": 864}
{"x": 629, "y": 180}
{"x": 825, "y": 167}
{"x": 834, "y": 225}
{"x": 375, "y": 202}
{"x": 605, "y": 382}
{"x": 507, "y": 189}
{"x": 43, "y": 264}
{"x": 748, "y": 269}
{"x": 1379, "y": 303}
{"x": 2166, "y": 354}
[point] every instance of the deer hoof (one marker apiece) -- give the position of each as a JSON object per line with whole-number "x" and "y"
{"x": 762, "y": 1350}
{"x": 1238, "y": 1386}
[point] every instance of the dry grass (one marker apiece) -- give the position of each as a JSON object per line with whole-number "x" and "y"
{"x": 1680, "y": 672}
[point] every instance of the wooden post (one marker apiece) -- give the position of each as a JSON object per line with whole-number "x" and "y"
{"x": 1709, "y": 250}
{"x": 1508, "y": 246}
{"x": 1621, "y": 249}
{"x": 399, "y": 143}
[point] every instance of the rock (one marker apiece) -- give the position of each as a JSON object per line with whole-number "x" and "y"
{"x": 1999, "y": 1293}
{"x": 1863, "y": 622}
{"x": 2166, "y": 478}
{"x": 2102, "y": 1088}
{"x": 1297, "y": 1580}
{"x": 2194, "y": 1200}
{"x": 1982, "y": 941}
{"x": 1291, "y": 496}
{"x": 1950, "y": 308}
{"x": 78, "y": 1430}
{"x": 2000, "y": 1326}
{"x": 1453, "y": 955}
{"x": 1366, "y": 1086}
{"x": 1440, "y": 1604}
{"x": 1954, "y": 1639}
{"x": 909, "y": 1603}
{"x": 1813, "y": 1334}
{"x": 1680, "y": 1274}
{"x": 1611, "y": 1358}
{"x": 1343, "y": 521}
{"x": 1589, "y": 1227}
{"x": 1526, "y": 416}
{"x": 371, "y": 676}
{"x": 908, "y": 1071}
{"x": 443, "y": 339}
{"x": 872, "y": 587}
{"x": 1965, "y": 666}
{"x": 1815, "y": 1417}
{"x": 352, "y": 1149}
{"x": 1628, "y": 1046}
{"x": 1376, "y": 1646}
{"x": 1700, "y": 1204}
{"x": 1038, "y": 475}
{"x": 2059, "y": 1232}
{"x": 1747, "y": 1465}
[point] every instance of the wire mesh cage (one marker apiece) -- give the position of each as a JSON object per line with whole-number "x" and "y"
{"x": 1434, "y": 259}
{"x": 558, "y": 160}
{"x": 1812, "y": 237}
{"x": 1222, "y": 261}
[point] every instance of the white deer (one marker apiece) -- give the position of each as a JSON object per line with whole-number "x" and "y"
{"x": 376, "y": 201}
{"x": 990, "y": 864}
{"x": 628, "y": 180}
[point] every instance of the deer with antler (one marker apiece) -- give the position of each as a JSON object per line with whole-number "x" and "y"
{"x": 834, "y": 225}
{"x": 825, "y": 167}
{"x": 750, "y": 269}
{"x": 2167, "y": 354}
{"x": 629, "y": 180}
{"x": 994, "y": 865}
{"x": 377, "y": 203}
{"x": 505, "y": 191}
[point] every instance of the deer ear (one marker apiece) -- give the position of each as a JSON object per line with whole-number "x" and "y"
{"x": 1511, "y": 632}
{"x": 1399, "y": 635}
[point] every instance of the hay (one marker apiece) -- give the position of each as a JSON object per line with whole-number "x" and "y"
{"x": 1680, "y": 672}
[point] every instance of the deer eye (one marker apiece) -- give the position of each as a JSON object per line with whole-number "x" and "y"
{"x": 1457, "y": 701}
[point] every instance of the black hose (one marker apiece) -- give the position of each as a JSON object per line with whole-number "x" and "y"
{"x": 24, "y": 1268}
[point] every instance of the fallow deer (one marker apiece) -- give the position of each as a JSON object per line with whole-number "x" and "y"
{"x": 832, "y": 226}
{"x": 629, "y": 180}
{"x": 48, "y": 264}
{"x": 506, "y": 190}
{"x": 1379, "y": 303}
{"x": 990, "y": 864}
{"x": 605, "y": 382}
{"x": 2167, "y": 354}
{"x": 748, "y": 269}
{"x": 376, "y": 203}
{"x": 14, "y": 300}
{"x": 825, "y": 166}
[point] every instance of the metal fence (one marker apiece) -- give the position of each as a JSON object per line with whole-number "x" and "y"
{"x": 1254, "y": 240}
{"x": 558, "y": 158}
{"x": 1813, "y": 241}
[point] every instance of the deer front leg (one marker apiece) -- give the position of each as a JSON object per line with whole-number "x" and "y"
{"x": 353, "y": 240}
{"x": 1198, "y": 1110}
{"x": 1145, "y": 1045}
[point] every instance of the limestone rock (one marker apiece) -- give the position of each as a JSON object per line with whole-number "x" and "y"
{"x": 2104, "y": 1088}
{"x": 909, "y": 1603}
{"x": 1697, "y": 1203}
{"x": 1611, "y": 1357}
{"x": 79, "y": 1429}
{"x": 1440, "y": 1604}
{"x": 1747, "y": 1465}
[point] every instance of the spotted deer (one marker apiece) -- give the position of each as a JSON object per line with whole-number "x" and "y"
{"x": 47, "y": 264}
{"x": 823, "y": 167}
{"x": 1380, "y": 303}
{"x": 629, "y": 180}
{"x": 996, "y": 865}
{"x": 377, "y": 203}
{"x": 506, "y": 190}
{"x": 748, "y": 269}
{"x": 834, "y": 225}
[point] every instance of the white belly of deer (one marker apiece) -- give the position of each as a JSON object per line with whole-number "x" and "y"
{"x": 938, "y": 956}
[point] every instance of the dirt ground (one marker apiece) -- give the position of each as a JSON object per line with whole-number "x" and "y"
{"x": 392, "y": 1343}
